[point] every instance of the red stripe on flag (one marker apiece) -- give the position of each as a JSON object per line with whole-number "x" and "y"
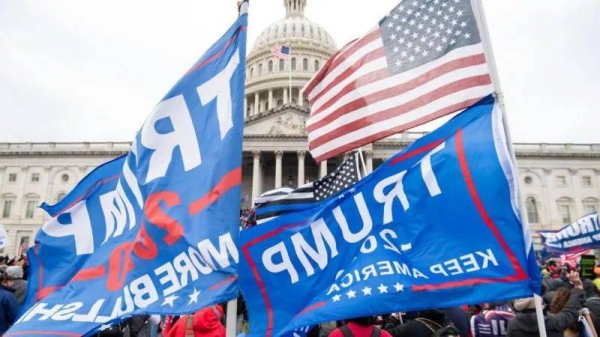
{"x": 398, "y": 90}
{"x": 400, "y": 128}
{"x": 340, "y": 57}
{"x": 434, "y": 95}
{"x": 230, "y": 180}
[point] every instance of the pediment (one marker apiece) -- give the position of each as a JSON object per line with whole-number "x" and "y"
{"x": 285, "y": 120}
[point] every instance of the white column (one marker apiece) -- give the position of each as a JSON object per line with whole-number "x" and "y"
{"x": 278, "y": 157}
{"x": 323, "y": 171}
{"x": 256, "y": 103}
{"x": 578, "y": 205}
{"x": 301, "y": 97}
{"x": 255, "y": 175}
{"x": 270, "y": 102}
{"x": 369, "y": 159}
{"x": 597, "y": 171}
{"x": 301, "y": 155}
{"x": 285, "y": 96}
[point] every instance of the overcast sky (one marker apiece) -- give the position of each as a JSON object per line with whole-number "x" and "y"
{"x": 79, "y": 70}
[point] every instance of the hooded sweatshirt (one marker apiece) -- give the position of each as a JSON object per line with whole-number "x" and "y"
{"x": 525, "y": 323}
{"x": 205, "y": 323}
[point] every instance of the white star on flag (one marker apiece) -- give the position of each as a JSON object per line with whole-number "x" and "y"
{"x": 399, "y": 287}
{"x": 366, "y": 291}
{"x": 351, "y": 294}
{"x": 382, "y": 289}
{"x": 194, "y": 296}
{"x": 337, "y": 298}
{"x": 170, "y": 300}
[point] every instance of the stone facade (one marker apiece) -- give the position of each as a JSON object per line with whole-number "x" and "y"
{"x": 559, "y": 182}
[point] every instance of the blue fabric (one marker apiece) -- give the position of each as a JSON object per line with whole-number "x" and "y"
{"x": 155, "y": 231}
{"x": 435, "y": 226}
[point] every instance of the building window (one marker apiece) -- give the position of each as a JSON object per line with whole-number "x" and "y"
{"x": 259, "y": 69}
{"x": 251, "y": 72}
{"x": 317, "y": 65}
{"x": 560, "y": 181}
{"x": 6, "y": 209}
{"x": 279, "y": 102}
{"x": 305, "y": 64}
{"x": 281, "y": 65}
{"x": 532, "y": 210}
{"x": 30, "y": 209}
{"x": 64, "y": 178}
{"x": 270, "y": 66}
{"x": 564, "y": 210}
{"x": 35, "y": 177}
{"x": 528, "y": 180}
{"x": 294, "y": 63}
{"x": 24, "y": 245}
{"x": 60, "y": 197}
{"x": 12, "y": 177}
{"x": 590, "y": 205}
{"x": 586, "y": 181}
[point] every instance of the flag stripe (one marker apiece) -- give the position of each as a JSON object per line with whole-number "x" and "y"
{"x": 404, "y": 77}
{"x": 373, "y": 62}
{"x": 421, "y": 115}
{"x": 398, "y": 95}
{"x": 351, "y": 48}
{"x": 346, "y": 62}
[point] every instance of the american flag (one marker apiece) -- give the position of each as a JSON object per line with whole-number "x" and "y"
{"x": 285, "y": 200}
{"x": 283, "y": 52}
{"x": 424, "y": 60}
{"x": 23, "y": 247}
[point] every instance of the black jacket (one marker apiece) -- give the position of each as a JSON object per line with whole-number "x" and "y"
{"x": 413, "y": 328}
{"x": 525, "y": 323}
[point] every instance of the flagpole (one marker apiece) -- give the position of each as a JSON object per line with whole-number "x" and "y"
{"x": 491, "y": 61}
{"x": 231, "y": 316}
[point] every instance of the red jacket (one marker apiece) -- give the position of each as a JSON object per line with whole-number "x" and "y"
{"x": 205, "y": 323}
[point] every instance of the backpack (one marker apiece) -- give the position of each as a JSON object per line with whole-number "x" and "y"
{"x": 448, "y": 330}
{"x": 376, "y": 332}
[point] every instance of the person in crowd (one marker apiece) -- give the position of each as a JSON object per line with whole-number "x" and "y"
{"x": 204, "y": 323}
{"x": 9, "y": 309}
{"x": 459, "y": 317}
{"x": 525, "y": 323}
{"x": 17, "y": 283}
{"x": 423, "y": 324}
{"x": 491, "y": 322}
{"x": 593, "y": 304}
{"x": 559, "y": 300}
{"x": 359, "y": 327}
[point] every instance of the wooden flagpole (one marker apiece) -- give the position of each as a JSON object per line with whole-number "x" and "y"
{"x": 489, "y": 56}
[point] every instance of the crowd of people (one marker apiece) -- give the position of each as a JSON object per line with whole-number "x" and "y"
{"x": 13, "y": 289}
{"x": 565, "y": 297}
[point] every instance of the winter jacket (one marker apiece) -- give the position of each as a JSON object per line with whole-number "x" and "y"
{"x": 459, "y": 318}
{"x": 525, "y": 323}
{"x": 9, "y": 309}
{"x": 205, "y": 323}
{"x": 358, "y": 331}
{"x": 412, "y": 328}
{"x": 20, "y": 287}
{"x": 593, "y": 304}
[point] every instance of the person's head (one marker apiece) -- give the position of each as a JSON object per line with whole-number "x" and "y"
{"x": 365, "y": 321}
{"x": 14, "y": 272}
{"x": 560, "y": 299}
{"x": 524, "y": 304}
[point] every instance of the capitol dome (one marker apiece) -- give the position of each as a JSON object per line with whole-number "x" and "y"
{"x": 273, "y": 83}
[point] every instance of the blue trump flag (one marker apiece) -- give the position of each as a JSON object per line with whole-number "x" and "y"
{"x": 583, "y": 234}
{"x": 437, "y": 225}
{"x": 154, "y": 232}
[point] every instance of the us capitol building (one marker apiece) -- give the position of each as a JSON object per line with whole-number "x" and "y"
{"x": 559, "y": 182}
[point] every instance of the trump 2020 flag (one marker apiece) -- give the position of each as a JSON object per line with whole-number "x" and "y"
{"x": 435, "y": 226}
{"x": 154, "y": 232}
{"x": 423, "y": 61}
{"x": 581, "y": 235}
